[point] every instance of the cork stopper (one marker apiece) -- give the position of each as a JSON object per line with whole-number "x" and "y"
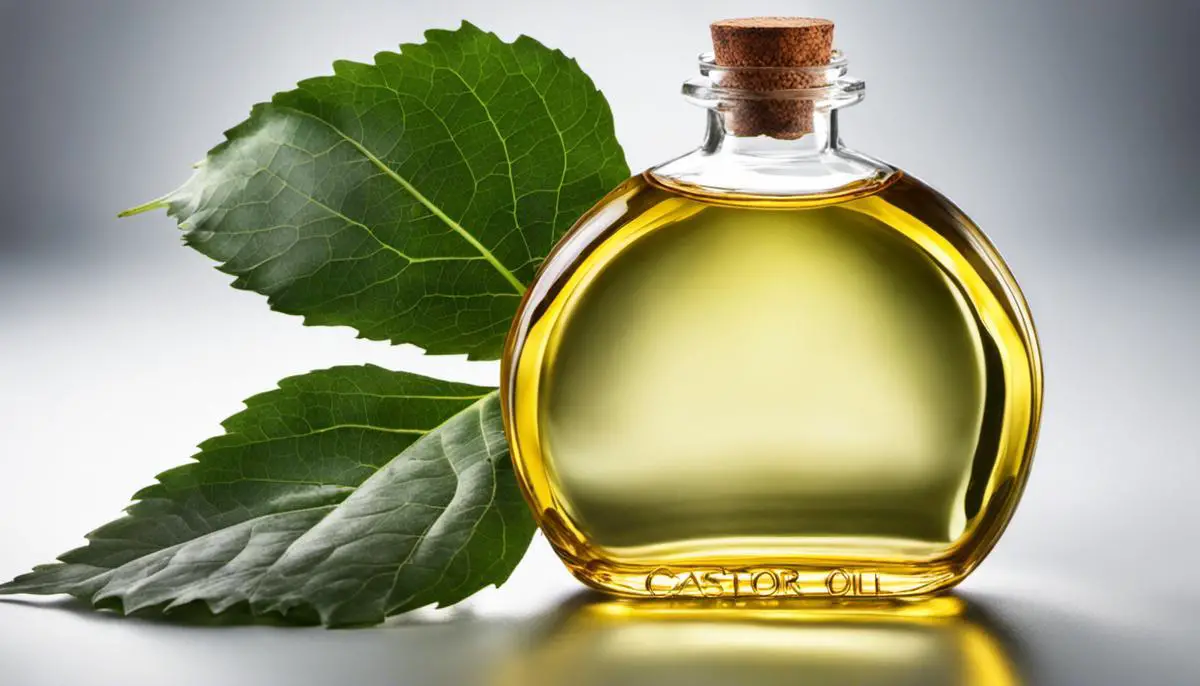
{"x": 772, "y": 42}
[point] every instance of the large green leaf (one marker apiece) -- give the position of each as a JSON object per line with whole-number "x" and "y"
{"x": 351, "y": 494}
{"x": 412, "y": 198}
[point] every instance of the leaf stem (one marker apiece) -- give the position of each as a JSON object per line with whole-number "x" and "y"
{"x": 159, "y": 204}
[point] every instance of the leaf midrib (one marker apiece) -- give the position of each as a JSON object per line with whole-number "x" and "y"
{"x": 102, "y": 573}
{"x": 420, "y": 197}
{"x": 290, "y": 545}
{"x": 487, "y": 450}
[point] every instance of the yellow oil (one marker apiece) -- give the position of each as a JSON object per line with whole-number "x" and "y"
{"x": 720, "y": 395}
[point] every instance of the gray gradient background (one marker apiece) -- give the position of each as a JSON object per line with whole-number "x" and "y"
{"x": 1067, "y": 130}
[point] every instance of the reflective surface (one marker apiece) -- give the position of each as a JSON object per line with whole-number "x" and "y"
{"x": 939, "y": 642}
{"x": 572, "y": 639}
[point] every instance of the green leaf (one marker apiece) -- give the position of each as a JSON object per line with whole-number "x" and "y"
{"x": 413, "y": 198}
{"x": 348, "y": 494}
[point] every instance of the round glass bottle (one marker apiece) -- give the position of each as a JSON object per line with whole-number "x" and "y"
{"x": 773, "y": 366}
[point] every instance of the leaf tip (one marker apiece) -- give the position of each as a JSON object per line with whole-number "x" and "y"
{"x": 24, "y": 584}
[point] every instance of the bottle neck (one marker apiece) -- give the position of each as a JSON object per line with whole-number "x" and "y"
{"x": 821, "y": 138}
{"x": 772, "y": 143}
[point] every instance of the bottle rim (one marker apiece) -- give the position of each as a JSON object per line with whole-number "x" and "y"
{"x": 834, "y": 88}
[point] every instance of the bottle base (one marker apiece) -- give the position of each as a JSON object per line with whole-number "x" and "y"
{"x": 816, "y": 581}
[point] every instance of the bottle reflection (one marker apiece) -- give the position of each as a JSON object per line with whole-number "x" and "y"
{"x": 940, "y": 641}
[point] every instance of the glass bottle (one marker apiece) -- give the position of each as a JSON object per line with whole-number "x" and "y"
{"x": 773, "y": 366}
